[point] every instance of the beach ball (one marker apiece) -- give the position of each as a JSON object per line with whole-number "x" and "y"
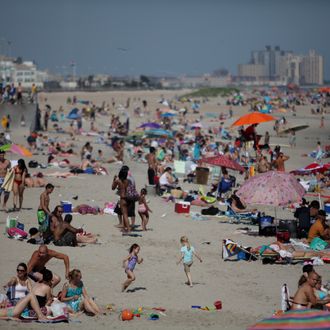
{"x": 126, "y": 315}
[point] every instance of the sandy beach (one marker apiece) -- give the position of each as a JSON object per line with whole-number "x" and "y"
{"x": 249, "y": 291}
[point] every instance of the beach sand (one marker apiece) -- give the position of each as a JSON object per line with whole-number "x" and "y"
{"x": 249, "y": 291}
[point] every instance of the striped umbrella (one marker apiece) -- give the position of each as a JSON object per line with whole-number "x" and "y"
{"x": 306, "y": 319}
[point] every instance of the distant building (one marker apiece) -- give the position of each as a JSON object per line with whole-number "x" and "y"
{"x": 276, "y": 66}
{"x": 312, "y": 68}
{"x": 251, "y": 72}
{"x": 25, "y": 73}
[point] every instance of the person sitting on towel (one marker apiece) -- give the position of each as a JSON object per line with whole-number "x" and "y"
{"x": 237, "y": 205}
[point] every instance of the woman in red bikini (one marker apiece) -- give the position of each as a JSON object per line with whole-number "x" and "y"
{"x": 20, "y": 171}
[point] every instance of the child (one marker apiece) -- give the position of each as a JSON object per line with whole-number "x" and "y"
{"x": 129, "y": 265}
{"x": 143, "y": 209}
{"x": 187, "y": 252}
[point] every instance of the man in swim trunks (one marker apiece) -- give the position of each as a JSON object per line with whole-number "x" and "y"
{"x": 44, "y": 213}
{"x": 4, "y": 167}
{"x": 40, "y": 258}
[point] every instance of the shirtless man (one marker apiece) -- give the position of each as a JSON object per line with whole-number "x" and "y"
{"x": 64, "y": 234}
{"x": 4, "y": 167}
{"x": 38, "y": 261}
{"x": 43, "y": 212}
{"x": 279, "y": 162}
{"x": 152, "y": 165}
{"x": 305, "y": 297}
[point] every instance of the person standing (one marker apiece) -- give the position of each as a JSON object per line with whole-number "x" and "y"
{"x": 44, "y": 212}
{"x": 152, "y": 165}
{"x": 279, "y": 162}
{"x": 20, "y": 171}
{"x": 4, "y": 168}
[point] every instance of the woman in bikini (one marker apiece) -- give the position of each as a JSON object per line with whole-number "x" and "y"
{"x": 20, "y": 171}
{"x": 121, "y": 183}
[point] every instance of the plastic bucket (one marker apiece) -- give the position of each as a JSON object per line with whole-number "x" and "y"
{"x": 67, "y": 206}
{"x": 218, "y": 304}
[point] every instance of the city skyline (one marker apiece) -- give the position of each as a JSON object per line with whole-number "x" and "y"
{"x": 161, "y": 38}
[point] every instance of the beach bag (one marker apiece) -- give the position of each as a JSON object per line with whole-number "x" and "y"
{"x": 58, "y": 308}
{"x": 131, "y": 193}
{"x": 16, "y": 233}
{"x": 318, "y": 244}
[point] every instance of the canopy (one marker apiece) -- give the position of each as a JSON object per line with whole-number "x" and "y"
{"x": 253, "y": 118}
{"x": 223, "y": 161}
{"x": 158, "y": 133}
{"x": 74, "y": 114}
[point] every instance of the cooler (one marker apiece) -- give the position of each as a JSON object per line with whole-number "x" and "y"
{"x": 327, "y": 208}
{"x": 202, "y": 175}
{"x": 182, "y": 207}
{"x": 67, "y": 206}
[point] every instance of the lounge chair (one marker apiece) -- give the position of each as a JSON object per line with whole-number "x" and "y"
{"x": 238, "y": 217}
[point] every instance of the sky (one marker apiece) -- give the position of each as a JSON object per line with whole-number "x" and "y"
{"x": 159, "y": 37}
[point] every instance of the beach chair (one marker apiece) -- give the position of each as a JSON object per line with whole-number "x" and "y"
{"x": 232, "y": 249}
{"x": 246, "y": 217}
{"x": 216, "y": 173}
{"x": 224, "y": 187}
{"x": 179, "y": 168}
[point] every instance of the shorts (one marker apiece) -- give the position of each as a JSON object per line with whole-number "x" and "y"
{"x": 68, "y": 239}
{"x": 6, "y": 193}
{"x": 130, "y": 209}
{"x": 187, "y": 267}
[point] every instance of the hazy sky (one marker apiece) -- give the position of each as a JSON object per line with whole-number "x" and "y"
{"x": 160, "y": 37}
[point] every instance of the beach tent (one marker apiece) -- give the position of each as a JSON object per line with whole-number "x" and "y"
{"x": 74, "y": 114}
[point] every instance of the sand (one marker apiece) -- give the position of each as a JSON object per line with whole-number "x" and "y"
{"x": 248, "y": 290}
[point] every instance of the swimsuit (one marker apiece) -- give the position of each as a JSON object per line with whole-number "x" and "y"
{"x": 18, "y": 171}
{"x": 131, "y": 263}
{"x": 74, "y": 304}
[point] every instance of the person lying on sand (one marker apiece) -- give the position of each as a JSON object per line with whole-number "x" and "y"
{"x": 31, "y": 182}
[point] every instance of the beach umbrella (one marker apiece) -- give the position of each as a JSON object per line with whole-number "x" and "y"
{"x": 310, "y": 169}
{"x": 305, "y": 319}
{"x": 150, "y": 125}
{"x": 271, "y": 188}
{"x": 168, "y": 114}
{"x": 223, "y": 161}
{"x": 20, "y": 150}
{"x": 253, "y": 118}
{"x": 158, "y": 133}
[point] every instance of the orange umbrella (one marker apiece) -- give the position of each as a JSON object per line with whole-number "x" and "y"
{"x": 253, "y": 118}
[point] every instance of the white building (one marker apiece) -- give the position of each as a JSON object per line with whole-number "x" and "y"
{"x": 25, "y": 73}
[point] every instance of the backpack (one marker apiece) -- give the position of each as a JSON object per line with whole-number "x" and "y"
{"x": 131, "y": 193}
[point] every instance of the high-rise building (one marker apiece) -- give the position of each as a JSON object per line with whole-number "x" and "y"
{"x": 290, "y": 66}
{"x": 312, "y": 68}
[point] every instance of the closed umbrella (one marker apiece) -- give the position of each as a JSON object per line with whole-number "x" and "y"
{"x": 306, "y": 319}
{"x": 223, "y": 161}
{"x": 253, "y": 118}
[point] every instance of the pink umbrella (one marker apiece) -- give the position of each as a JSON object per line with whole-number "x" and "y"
{"x": 271, "y": 188}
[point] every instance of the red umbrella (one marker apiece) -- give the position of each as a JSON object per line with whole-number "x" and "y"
{"x": 223, "y": 161}
{"x": 311, "y": 169}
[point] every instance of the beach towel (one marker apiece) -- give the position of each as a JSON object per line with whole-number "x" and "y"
{"x": 8, "y": 181}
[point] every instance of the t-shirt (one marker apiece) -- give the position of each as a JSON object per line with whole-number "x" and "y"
{"x": 317, "y": 230}
{"x": 188, "y": 254}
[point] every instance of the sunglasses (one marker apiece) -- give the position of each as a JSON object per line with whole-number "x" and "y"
{"x": 20, "y": 270}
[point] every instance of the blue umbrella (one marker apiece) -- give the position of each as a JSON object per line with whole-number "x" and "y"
{"x": 168, "y": 114}
{"x": 159, "y": 133}
{"x": 150, "y": 125}
{"x": 74, "y": 114}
